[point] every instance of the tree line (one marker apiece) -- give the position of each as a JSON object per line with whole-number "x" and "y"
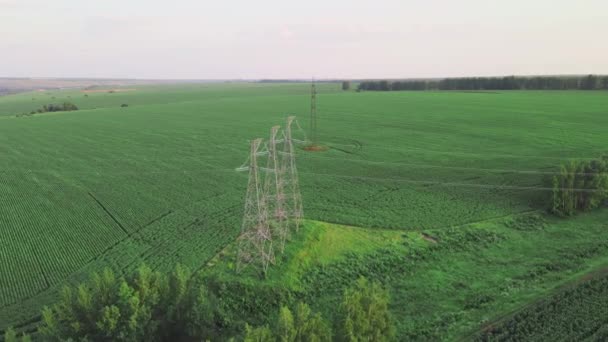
{"x": 580, "y": 185}
{"x": 153, "y": 306}
{"x": 589, "y": 82}
{"x": 64, "y": 107}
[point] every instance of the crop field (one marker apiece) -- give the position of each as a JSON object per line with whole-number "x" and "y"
{"x": 579, "y": 313}
{"x": 154, "y": 182}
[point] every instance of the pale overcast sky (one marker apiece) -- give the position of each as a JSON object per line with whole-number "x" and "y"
{"x": 202, "y": 39}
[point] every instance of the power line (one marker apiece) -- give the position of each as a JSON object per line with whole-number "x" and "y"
{"x": 429, "y": 182}
{"x": 448, "y": 167}
{"x": 459, "y": 153}
{"x": 475, "y": 185}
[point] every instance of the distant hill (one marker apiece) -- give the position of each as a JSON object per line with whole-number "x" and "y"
{"x": 16, "y": 85}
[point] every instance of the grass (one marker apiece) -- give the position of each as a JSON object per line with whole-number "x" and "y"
{"x": 154, "y": 182}
{"x": 444, "y": 288}
{"x": 319, "y": 244}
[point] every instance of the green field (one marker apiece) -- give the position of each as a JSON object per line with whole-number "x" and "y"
{"x": 443, "y": 288}
{"x": 578, "y": 313}
{"x": 154, "y": 182}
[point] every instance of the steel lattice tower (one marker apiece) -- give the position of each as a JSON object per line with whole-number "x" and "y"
{"x": 313, "y": 113}
{"x": 273, "y": 204}
{"x": 255, "y": 241}
{"x": 293, "y": 199}
{"x": 275, "y": 189}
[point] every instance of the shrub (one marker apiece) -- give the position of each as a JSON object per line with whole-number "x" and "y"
{"x": 579, "y": 186}
{"x": 148, "y": 306}
{"x": 364, "y": 313}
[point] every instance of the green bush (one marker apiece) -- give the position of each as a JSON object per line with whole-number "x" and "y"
{"x": 364, "y": 314}
{"x": 579, "y": 186}
{"x": 149, "y": 306}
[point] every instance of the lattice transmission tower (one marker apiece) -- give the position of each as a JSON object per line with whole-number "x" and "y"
{"x": 313, "y": 113}
{"x": 273, "y": 204}
{"x": 275, "y": 188}
{"x": 255, "y": 242}
{"x": 293, "y": 198}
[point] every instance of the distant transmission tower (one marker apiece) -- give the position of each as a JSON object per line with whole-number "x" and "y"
{"x": 313, "y": 113}
{"x": 255, "y": 241}
{"x": 293, "y": 199}
{"x": 275, "y": 188}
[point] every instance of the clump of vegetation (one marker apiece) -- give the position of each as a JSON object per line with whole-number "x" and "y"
{"x": 345, "y": 85}
{"x": 580, "y": 186}
{"x": 124, "y": 105}
{"x": 363, "y": 316}
{"x": 364, "y": 313}
{"x": 477, "y": 300}
{"x": 526, "y": 222}
{"x": 148, "y": 306}
{"x": 153, "y": 306}
{"x": 464, "y": 239}
{"x": 11, "y": 336}
{"x": 301, "y": 325}
{"x": 64, "y": 107}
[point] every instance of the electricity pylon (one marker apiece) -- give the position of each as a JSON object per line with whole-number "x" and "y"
{"x": 255, "y": 241}
{"x": 293, "y": 199}
{"x": 273, "y": 204}
{"x": 313, "y": 113}
{"x": 275, "y": 189}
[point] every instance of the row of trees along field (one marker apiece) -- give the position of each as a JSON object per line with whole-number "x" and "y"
{"x": 152, "y": 306}
{"x": 589, "y": 82}
{"x": 581, "y": 185}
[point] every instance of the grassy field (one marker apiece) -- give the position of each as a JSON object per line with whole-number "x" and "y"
{"x": 154, "y": 182}
{"x": 445, "y": 284}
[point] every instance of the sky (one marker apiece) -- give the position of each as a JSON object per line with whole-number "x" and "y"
{"x": 253, "y": 39}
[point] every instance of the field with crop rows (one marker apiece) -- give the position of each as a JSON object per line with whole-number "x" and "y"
{"x": 154, "y": 182}
{"x": 578, "y": 313}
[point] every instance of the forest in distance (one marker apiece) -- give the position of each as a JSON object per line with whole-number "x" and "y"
{"x": 588, "y": 82}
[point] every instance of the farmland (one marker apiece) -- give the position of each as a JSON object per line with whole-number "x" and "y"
{"x": 154, "y": 182}
{"x": 578, "y": 313}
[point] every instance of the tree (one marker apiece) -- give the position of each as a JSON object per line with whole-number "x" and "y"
{"x": 589, "y": 82}
{"x": 148, "y": 306}
{"x": 345, "y": 85}
{"x": 11, "y": 336}
{"x": 203, "y": 314}
{"x": 579, "y": 186}
{"x": 261, "y": 334}
{"x": 309, "y": 326}
{"x": 286, "y": 332}
{"x": 364, "y": 313}
{"x": 605, "y": 82}
{"x": 384, "y": 86}
{"x": 303, "y": 326}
